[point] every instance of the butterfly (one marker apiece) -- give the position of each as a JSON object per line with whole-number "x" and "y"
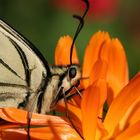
{"x": 26, "y": 80}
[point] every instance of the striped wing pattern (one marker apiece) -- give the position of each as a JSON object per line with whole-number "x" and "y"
{"x": 23, "y": 69}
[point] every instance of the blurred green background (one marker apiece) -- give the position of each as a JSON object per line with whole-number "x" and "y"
{"x": 44, "y": 21}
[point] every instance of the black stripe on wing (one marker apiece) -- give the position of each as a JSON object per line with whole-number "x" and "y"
{"x": 46, "y": 75}
{"x": 14, "y": 85}
{"x": 24, "y": 61}
{"x": 41, "y": 91}
{"x": 28, "y": 91}
{"x": 26, "y": 42}
{"x": 9, "y": 68}
{"x": 6, "y": 96}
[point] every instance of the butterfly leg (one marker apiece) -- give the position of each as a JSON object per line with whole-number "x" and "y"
{"x": 68, "y": 116}
{"x": 29, "y": 116}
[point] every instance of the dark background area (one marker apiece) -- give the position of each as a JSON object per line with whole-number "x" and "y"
{"x": 44, "y": 21}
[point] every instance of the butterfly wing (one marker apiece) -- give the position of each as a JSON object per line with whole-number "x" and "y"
{"x": 22, "y": 69}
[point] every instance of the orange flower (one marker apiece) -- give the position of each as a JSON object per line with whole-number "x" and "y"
{"x": 104, "y": 58}
{"x": 106, "y": 66}
{"x": 122, "y": 120}
{"x": 106, "y": 70}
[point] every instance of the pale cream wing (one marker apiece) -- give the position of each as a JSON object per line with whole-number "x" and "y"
{"x": 22, "y": 68}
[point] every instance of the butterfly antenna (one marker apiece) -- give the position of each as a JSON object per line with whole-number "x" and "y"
{"x": 79, "y": 28}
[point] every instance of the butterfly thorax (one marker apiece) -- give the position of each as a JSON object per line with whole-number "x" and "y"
{"x": 62, "y": 79}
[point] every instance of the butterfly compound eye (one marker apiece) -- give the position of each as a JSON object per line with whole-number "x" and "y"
{"x": 72, "y": 72}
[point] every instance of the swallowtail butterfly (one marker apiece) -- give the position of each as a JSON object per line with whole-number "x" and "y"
{"x": 25, "y": 76}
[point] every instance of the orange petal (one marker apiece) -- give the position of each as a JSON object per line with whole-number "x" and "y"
{"x": 74, "y": 111}
{"x": 122, "y": 107}
{"x": 98, "y": 71}
{"x": 117, "y": 74}
{"x": 5, "y": 125}
{"x": 103, "y": 95}
{"x": 100, "y": 131}
{"x": 92, "y": 52}
{"x": 134, "y": 116}
{"x": 53, "y": 132}
{"x": 13, "y": 134}
{"x": 137, "y": 137}
{"x": 103, "y": 86}
{"x": 56, "y": 128}
{"x": 131, "y": 133}
{"x": 90, "y": 110}
{"x": 42, "y": 133}
{"x": 62, "y": 52}
{"x": 20, "y": 116}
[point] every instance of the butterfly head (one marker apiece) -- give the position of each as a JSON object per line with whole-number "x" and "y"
{"x": 65, "y": 77}
{"x": 72, "y": 77}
